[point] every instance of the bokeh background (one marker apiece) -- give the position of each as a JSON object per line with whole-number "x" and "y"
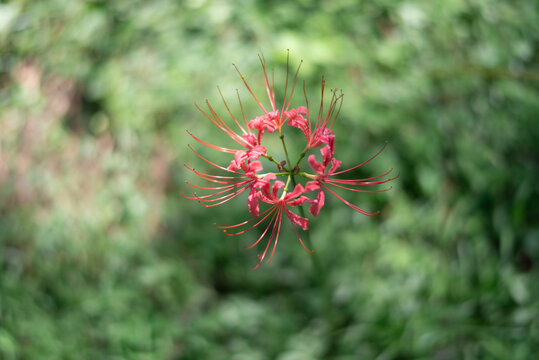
{"x": 102, "y": 258}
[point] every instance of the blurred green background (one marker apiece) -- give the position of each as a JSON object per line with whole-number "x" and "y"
{"x": 101, "y": 257}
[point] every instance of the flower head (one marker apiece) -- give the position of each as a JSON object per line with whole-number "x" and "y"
{"x": 325, "y": 175}
{"x": 269, "y": 199}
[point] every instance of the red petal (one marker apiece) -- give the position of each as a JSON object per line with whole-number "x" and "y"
{"x": 316, "y": 165}
{"x": 312, "y": 185}
{"x": 252, "y": 202}
{"x": 335, "y": 164}
{"x": 298, "y": 220}
{"x": 318, "y": 203}
{"x": 298, "y": 190}
{"x": 276, "y": 186}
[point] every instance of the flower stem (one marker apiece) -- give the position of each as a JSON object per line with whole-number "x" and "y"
{"x": 281, "y": 136}
{"x": 270, "y": 158}
{"x": 285, "y": 190}
{"x": 307, "y": 175}
{"x": 321, "y": 274}
{"x": 301, "y": 157}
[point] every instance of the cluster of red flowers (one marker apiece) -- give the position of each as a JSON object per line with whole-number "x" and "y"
{"x": 244, "y": 173}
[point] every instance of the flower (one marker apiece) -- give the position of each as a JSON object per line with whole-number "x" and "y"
{"x": 232, "y": 186}
{"x": 279, "y": 204}
{"x": 244, "y": 172}
{"x": 321, "y": 133}
{"x": 274, "y": 119}
{"x": 325, "y": 176}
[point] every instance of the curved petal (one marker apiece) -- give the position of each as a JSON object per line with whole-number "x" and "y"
{"x": 298, "y": 190}
{"x": 276, "y": 186}
{"x": 318, "y": 203}
{"x": 335, "y": 164}
{"x": 298, "y": 220}
{"x": 327, "y": 153}
{"x": 312, "y": 185}
{"x": 316, "y": 165}
{"x": 252, "y": 202}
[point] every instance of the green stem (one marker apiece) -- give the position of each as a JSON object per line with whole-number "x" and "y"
{"x": 318, "y": 268}
{"x": 270, "y": 158}
{"x": 281, "y": 136}
{"x": 307, "y": 175}
{"x": 300, "y": 158}
{"x": 285, "y": 190}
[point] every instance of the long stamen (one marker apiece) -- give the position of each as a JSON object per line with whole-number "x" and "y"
{"x": 209, "y": 162}
{"x": 363, "y": 163}
{"x": 245, "y": 222}
{"x": 321, "y": 110}
{"x": 264, "y": 233}
{"x": 332, "y": 106}
{"x": 228, "y": 130}
{"x": 277, "y": 220}
{"x": 230, "y": 112}
{"x": 227, "y": 194}
{"x": 211, "y": 146}
{"x": 222, "y": 189}
{"x": 226, "y": 198}
{"x": 308, "y": 110}
{"x": 280, "y": 216}
{"x": 338, "y": 110}
{"x": 293, "y": 86}
{"x": 200, "y": 173}
{"x": 359, "y": 182}
{"x": 249, "y": 89}
{"x": 276, "y": 224}
{"x": 359, "y": 210}
{"x": 358, "y": 190}
{"x": 242, "y": 112}
{"x": 230, "y": 186}
{"x": 217, "y": 121}
{"x": 269, "y": 89}
{"x": 301, "y": 241}
{"x": 367, "y": 179}
{"x": 281, "y": 116}
{"x": 214, "y": 178}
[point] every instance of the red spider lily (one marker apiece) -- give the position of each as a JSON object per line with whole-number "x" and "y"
{"x": 321, "y": 133}
{"x": 244, "y": 172}
{"x": 274, "y": 119}
{"x": 231, "y": 186}
{"x": 279, "y": 204}
{"x": 325, "y": 176}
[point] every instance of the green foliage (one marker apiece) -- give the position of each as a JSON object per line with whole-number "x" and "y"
{"x": 101, "y": 257}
